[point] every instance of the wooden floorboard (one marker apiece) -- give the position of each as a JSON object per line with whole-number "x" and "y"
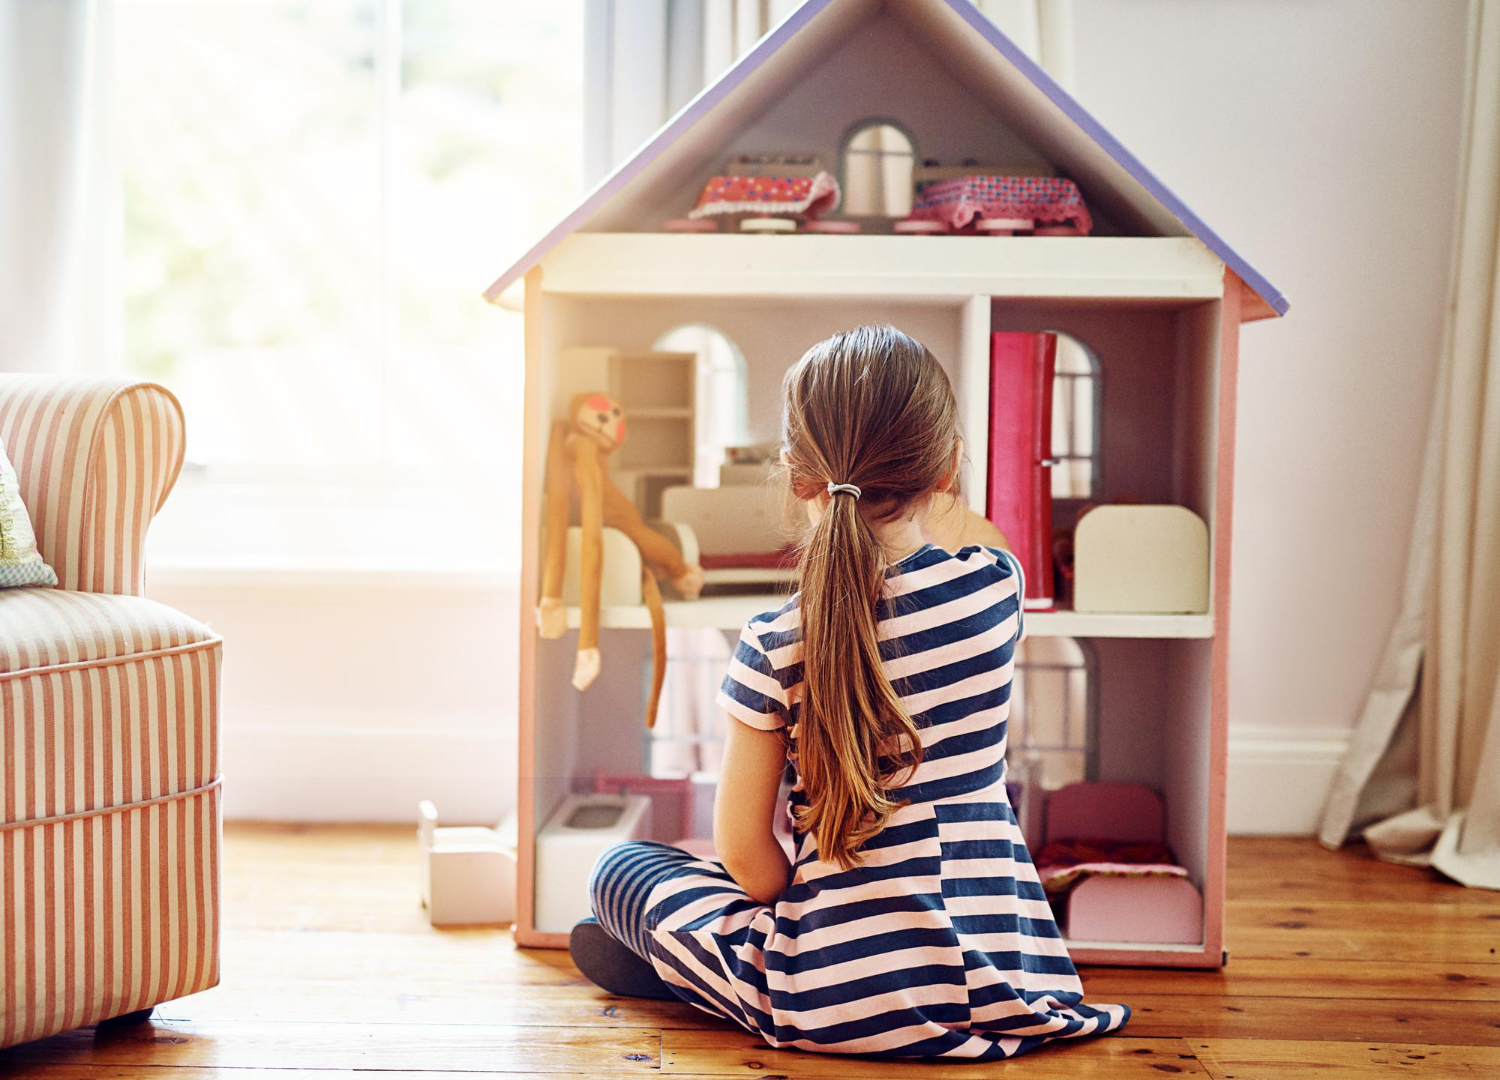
{"x": 1341, "y": 967}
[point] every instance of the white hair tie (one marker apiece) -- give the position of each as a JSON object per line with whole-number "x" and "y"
{"x": 843, "y": 489}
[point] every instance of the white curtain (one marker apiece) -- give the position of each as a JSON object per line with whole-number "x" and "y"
{"x": 1422, "y": 777}
{"x": 59, "y": 219}
{"x": 1043, "y": 29}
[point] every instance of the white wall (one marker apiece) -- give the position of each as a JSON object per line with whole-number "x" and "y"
{"x": 350, "y": 695}
{"x": 1321, "y": 140}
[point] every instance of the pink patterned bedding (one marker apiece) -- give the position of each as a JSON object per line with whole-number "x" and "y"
{"x": 1061, "y": 864}
{"x": 1046, "y": 199}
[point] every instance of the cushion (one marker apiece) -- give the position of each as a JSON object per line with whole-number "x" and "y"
{"x": 107, "y": 701}
{"x": 45, "y": 629}
{"x": 20, "y": 562}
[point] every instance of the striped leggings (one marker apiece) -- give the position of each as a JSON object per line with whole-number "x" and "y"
{"x": 622, "y": 880}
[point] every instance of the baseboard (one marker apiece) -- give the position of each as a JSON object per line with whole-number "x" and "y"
{"x": 375, "y": 767}
{"x": 1279, "y": 776}
{"x": 368, "y": 768}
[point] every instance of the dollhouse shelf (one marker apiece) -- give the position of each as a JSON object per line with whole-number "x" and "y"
{"x": 666, "y": 264}
{"x": 732, "y": 612}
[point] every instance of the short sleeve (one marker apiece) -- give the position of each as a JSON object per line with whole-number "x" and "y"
{"x": 752, "y": 692}
{"x": 1005, "y": 558}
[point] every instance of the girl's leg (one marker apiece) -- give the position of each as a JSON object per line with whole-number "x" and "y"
{"x": 613, "y": 952}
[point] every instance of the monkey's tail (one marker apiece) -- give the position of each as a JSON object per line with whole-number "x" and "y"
{"x": 651, "y": 593}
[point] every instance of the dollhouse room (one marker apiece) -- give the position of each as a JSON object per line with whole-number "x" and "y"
{"x": 427, "y": 690}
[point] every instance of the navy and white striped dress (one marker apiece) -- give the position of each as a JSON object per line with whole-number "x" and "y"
{"x": 940, "y": 942}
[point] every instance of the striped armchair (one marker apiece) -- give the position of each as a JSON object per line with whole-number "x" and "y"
{"x": 109, "y": 802}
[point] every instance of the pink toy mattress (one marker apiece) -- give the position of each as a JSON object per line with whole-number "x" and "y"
{"x": 960, "y": 202}
{"x": 768, "y": 196}
{"x": 1061, "y": 864}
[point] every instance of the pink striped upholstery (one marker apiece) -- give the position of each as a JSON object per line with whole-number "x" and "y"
{"x": 109, "y": 773}
{"x": 96, "y": 459}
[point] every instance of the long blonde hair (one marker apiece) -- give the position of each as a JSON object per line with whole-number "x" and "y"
{"x": 872, "y": 408}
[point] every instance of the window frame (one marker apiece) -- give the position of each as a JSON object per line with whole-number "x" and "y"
{"x": 852, "y": 132}
{"x": 1095, "y": 458}
{"x": 1089, "y": 665}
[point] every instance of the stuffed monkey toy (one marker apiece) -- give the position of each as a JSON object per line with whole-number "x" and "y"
{"x": 575, "y": 462}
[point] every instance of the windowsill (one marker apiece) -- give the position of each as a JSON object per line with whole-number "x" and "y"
{"x": 336, "y": 533}
{"x": 223, "y": 571}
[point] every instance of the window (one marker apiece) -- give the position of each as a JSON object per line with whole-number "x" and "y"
{"x": 688, "y": 739}
{"x": 1053, "y": 717}
{"x": 315, "y": 194}
{"x": 722, "y": 408}
{"x": 1076, "y": 410}
{"x": 878, "y": 162}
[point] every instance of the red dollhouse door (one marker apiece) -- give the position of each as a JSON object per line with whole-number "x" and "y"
{"x": 1020, "y": 474}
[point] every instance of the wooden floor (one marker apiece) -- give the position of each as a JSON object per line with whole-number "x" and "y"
{"x": 1341, "y": 968}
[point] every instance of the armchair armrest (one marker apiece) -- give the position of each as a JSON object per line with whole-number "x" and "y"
{"x": 96, "y": 459}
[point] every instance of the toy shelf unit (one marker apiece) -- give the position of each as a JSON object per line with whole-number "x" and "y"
{"x": 657, "y": 391}
{"x": 691, "y": 327}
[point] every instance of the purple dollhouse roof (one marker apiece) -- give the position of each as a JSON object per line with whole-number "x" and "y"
{"x": 957, "y": 31}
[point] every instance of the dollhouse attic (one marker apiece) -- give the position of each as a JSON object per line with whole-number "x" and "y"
{"x": 892, "y": 101}
{"x": 943, "y": 71}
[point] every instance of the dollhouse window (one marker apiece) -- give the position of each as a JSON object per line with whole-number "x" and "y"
{"x": 722, "y": 406}
{"x": 878, "y": 162}
{"x": 688, "y": 739}
{"x": 1053, "y": 712}
{"x": 1076, "y": 410}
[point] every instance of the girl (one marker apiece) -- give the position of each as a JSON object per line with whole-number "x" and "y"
{"x": 908, "y": 920}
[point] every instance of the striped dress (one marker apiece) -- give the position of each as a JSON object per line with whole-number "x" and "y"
{"x": 940, "y": 942}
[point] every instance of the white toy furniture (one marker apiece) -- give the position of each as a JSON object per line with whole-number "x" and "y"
{"x": 1153, "y": 294}
{"x": 468, "y": 873}
{"x": 738, "y": 531}
{"x": 582, "y": 829}
{"x": 1146, "y": 560}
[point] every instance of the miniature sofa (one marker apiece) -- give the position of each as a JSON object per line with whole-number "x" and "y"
{"x": 109, "y": 801}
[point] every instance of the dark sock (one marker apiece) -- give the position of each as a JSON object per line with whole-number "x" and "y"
{"x": 611, "y": 966}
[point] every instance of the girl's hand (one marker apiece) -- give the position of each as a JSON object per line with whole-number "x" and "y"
{"x": 745, "y": 807}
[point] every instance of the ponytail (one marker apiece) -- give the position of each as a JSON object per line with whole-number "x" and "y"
{"x": 851, "y": 717}
{"x": 870, "y": 422}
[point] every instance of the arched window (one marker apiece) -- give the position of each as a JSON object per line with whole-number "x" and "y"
{"x": 1077, "y": 400}
{"x": 878, "y": 162}
{"x": 722, "y": 407}
{"x": 1053, "y": 713}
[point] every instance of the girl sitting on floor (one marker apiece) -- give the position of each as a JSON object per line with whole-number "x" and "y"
{"x": 908, "y": 920}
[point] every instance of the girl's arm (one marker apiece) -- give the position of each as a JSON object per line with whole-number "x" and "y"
{"x": 749, "y": 782}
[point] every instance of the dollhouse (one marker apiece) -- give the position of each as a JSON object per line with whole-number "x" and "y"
{"x": 820, "y": 184}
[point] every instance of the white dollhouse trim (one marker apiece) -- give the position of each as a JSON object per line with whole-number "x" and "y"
{"x": 734, "y": 265}
{"x": 732, "y": 612}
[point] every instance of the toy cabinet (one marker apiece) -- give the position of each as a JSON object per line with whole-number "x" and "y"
{"x": 1153, "y": 297}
